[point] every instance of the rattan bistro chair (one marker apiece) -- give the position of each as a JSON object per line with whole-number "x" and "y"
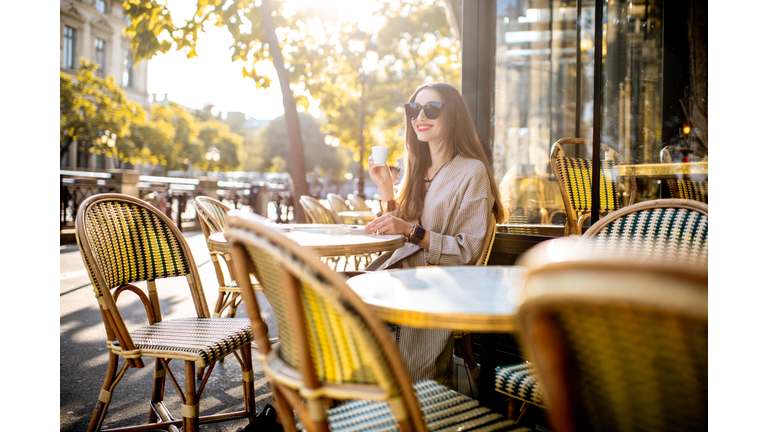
{"x": 332, "y": 347}
{"x": 124, "y": 240}
{"x": 666, "y": 230}
{"x": 337, "y": 203}
{"x": 610, "y": 359}
{"x": 574, "y": 177}
{"x": 213, "y": 219}
{"x": 317, "y": 212}
{"x": 680, "y": 188}
{"x": 671, "y": 230}
{"x": 357, "y": 203}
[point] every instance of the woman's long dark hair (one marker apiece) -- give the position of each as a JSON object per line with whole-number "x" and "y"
{"x": 459, "y": 138}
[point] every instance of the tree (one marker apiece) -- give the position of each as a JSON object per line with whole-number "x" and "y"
{"x": 214, "y": 133}
{"x": 151, "y": 30}
{"x": 89, "y": 105}
{"x": 415, "y": 46}
{"x": 318, "y": 156}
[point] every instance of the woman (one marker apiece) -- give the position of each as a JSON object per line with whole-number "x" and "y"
{"x": 443, "y": 207}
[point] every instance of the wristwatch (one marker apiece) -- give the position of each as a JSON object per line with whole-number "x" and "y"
{"x": 417, "y": 234}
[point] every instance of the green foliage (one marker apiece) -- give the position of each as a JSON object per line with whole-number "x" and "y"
{"x": 89, "y": 105}
{"x": 214, "y": 133}
{"x": 318, "y": 156}
{"x": 171, "y": 136}
{"x": 322, "y": 55}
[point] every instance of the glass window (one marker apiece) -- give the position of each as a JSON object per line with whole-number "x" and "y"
{"x": 69, "y": 48}
{"x": 101, "y": 6}
{"x": 101, "y": 57}
{"x": 128, "y": 69}
{"x": 544, "y": 92}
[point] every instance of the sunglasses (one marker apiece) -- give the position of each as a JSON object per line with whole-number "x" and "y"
{"x": 431, "y": 110}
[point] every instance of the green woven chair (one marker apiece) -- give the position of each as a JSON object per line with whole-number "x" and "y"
{"x": 124, "y": 240}
{"x": 665, "y": 230}
{"x": 619, "y": 345}
{"x": 685, "y": 189}
{"x": 574, "y": 177}
{"x": 332, "y": 348}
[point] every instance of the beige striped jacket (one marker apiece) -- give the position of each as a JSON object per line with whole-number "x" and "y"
{"x": 456, "y": 211}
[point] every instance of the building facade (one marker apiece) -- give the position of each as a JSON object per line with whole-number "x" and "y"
{"x": 93, "y": 30}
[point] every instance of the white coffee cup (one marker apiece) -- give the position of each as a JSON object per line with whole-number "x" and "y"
{"x": 380, "y": 154}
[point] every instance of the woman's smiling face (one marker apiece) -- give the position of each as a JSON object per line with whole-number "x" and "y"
{"x": 428, "y": 130}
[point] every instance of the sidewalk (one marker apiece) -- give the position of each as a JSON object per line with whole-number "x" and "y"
{"x": 83, "y": 352}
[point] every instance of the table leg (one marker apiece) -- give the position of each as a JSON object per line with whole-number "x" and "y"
{"x": 487, "y": 367}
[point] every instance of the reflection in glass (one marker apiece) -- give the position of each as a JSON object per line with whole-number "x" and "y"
{"x": 544, "y": 92}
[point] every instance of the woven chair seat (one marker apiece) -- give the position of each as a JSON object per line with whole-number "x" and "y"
{"x": 520, "y": 382}
{"x": 442, "y": 408}
{"x": 204, "y": 340}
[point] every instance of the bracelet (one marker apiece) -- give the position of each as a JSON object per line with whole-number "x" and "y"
{"x": 387, "y": 206}
{"x": 409, "y": 237}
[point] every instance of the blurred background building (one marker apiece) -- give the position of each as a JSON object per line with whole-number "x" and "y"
{"x": 93, "y": 30}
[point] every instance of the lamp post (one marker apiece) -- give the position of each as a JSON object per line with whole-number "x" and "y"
{"x": 332, "y": 142}
{"x": 212, "y": 156}
{"x": 108, "y": 139}
{"x": 369, "y": 65}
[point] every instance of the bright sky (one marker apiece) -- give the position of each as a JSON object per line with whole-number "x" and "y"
{"x": 212, "y": 77}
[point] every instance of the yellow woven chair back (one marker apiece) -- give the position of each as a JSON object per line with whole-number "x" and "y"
{"x": 131, "y": 242}
{"x": 574, "y": 177}
{"x": 685, "y": 189}
{"x": 357, "y": 203}
{"x": 633, "y": 358}
{"x": 317, "y": 212}
{"x": 215, "y": 213}
{"x": 343, "y": 345}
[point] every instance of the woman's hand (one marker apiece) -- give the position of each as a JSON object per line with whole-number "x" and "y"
{"x": 388, "y": 224}
{"x": 380, "y": 175}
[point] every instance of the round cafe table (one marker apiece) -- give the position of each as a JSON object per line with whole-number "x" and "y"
{"x": 326, "y": 240}
{"x": 357, "y": 217}
{"x": 482, "y": 299}
{"x": 468, "y": 298}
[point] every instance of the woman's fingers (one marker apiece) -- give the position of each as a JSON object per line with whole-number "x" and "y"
{"x": 380, "y": 224}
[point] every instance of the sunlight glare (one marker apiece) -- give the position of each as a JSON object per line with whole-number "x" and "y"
{"x": 213, "y": 78}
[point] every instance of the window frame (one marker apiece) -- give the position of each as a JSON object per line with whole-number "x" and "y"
{"x": 72, "y": 48}
{"x": 102, "y": 72}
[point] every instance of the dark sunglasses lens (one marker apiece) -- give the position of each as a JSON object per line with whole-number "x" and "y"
{"x": 431, "y": 110}
{"x": 412, "y": 110}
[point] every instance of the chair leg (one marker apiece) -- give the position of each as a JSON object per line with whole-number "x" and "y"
{"x": 100, "y": 412}
{"x": 190, "y": 410}
{"x": 464, "y": 347}
{"x": 158, "y": 388}
{"x": 220, "y": 278}
{"x": 249, "y": 392}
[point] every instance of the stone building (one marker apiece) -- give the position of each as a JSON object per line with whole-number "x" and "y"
{"x": 93, "y": 30}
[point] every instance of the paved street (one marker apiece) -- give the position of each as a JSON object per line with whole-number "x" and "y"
{"x": 83, "y": 352}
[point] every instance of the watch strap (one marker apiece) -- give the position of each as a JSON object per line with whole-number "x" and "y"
{"x": 417, "y": 234}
